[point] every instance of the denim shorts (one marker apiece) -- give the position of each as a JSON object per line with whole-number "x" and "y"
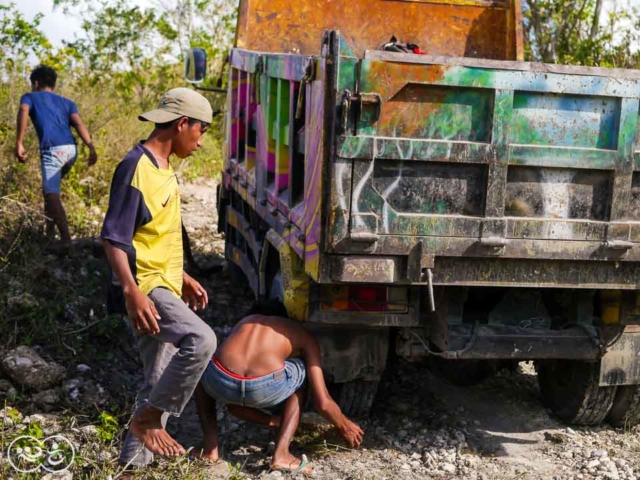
{"x": 262, "y": 393}
{"x": 55, "y": 163}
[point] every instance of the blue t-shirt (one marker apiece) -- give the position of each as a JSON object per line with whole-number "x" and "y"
{"x": 51, "y": 116}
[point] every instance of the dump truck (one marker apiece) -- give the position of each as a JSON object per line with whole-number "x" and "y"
{"x": 460, "y": 208}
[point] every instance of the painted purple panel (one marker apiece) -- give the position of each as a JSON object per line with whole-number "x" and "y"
{"x": 314, "y": 139}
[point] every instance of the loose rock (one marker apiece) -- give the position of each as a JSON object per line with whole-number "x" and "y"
{"x": 25, "y": 367}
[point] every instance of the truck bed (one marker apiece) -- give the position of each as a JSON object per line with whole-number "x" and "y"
{"x": 483, "y": 172}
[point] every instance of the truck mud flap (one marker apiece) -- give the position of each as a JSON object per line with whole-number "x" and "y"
{"x": 621, "y": 364}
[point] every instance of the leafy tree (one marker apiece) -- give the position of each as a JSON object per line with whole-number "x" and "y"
{"x": 574, "y": 32}
{"x": 20, "y": 39}
{"x": 140, "y": 51}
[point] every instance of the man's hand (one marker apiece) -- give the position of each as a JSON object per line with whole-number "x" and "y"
{"x": 194, "y": 294}
{"x": 21, "y": 153}
{"x": 93, "y": 156}
{"x": 142, "y": 312}
{"x": 352, "y": 433}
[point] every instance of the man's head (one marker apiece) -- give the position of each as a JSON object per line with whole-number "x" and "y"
{"x": 43, "y": 77}
{"x": 183, "y": 115}
{"x": 268, "y": 308}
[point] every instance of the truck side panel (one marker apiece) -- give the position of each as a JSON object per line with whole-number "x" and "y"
{"x": 275, "y": 129}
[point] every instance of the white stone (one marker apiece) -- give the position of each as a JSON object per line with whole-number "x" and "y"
{"x": 593, "y": 464}
{"x": 82, "y": 368}
{"x": 23, "y": 362}
{"x": 448, "y": 467}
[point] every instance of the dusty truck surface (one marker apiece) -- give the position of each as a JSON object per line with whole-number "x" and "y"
{"x": 462, "y": 208}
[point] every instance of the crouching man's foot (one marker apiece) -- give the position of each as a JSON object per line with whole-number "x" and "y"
{"x": 146, "y": 425}
{"x": 207, "y": 451}
{"x": 289, "y": 463}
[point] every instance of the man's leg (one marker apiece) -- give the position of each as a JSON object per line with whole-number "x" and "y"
{"x": 207, "y": 412}
{"x": 55, "y": 164}
{"x": 55, "y": 211}
{"x": 253, "y": 415}
{"x": 155, "y": 357}
{"x": 196, "y": 344}
{"x": 49, "y": 224}
{"x": 282, "y": 458}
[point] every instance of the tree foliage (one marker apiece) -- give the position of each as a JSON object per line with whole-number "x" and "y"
{"x": 580, "y": 32}
{"x": 121, "y": 61}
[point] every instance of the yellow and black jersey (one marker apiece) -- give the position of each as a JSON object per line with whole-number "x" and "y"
{"x": 144, "y": 220}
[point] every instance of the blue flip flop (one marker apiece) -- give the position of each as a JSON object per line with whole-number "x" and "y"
{"x": 303, "y": 463}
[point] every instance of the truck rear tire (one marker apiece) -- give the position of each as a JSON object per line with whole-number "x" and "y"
{"x": 625, "y": 411}
{"x": 356, "y": 398}
{"x": 462, "y": 373}
{"x": 570, "y": 388}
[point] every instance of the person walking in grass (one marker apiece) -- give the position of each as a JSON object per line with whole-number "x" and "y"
{"x": 142, "y": 239}
{"x": 52, "y": 116}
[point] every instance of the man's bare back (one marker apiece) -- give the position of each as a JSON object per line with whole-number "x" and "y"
{"x": 259, "y": 345}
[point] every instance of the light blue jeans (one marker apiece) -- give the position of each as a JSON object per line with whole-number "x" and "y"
{"x": 263, "y": 393}
{"x": 55, "y": 163}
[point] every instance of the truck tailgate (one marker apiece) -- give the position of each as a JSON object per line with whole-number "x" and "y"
{"x": 494, "y": 153}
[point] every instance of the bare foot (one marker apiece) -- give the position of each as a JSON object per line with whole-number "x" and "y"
{"x": 208, "y": 453}
{"x": 274, "y": 421}
{"x": 146, "y": 426}
{"x": 292, "y": 464}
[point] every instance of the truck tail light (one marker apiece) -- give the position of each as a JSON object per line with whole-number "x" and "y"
{"x": 364, "y": 299}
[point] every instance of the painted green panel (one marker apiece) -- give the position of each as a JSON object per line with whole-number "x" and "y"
{"x": 565, "y": 120}
{"x": 433, "y": 112}
{"x": 562, "y": 157}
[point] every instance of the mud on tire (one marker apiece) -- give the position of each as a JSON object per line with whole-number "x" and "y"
{"x": 625, "y": 411}
{"x": 571, "y": 390}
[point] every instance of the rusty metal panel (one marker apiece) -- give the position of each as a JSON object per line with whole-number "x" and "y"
{"x": 471, "y": 28}
{"x": 592, "y": 247}
{"x": 536, "y": 273}
{"x": 446, "y": 144}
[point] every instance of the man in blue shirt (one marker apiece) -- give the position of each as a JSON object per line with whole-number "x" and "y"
{"x": 52, "y": 116}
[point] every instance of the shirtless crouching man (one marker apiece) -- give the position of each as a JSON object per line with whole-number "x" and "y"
{"x": 259, "y": 366}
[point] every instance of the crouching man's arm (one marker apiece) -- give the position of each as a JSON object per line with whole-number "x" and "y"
{"x": 322, "y": 401}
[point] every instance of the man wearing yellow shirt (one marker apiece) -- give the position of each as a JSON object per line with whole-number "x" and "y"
{"x": 142, "y": 238}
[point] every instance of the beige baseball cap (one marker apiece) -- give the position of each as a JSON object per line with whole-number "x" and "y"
{"x": 180, "y": 102}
